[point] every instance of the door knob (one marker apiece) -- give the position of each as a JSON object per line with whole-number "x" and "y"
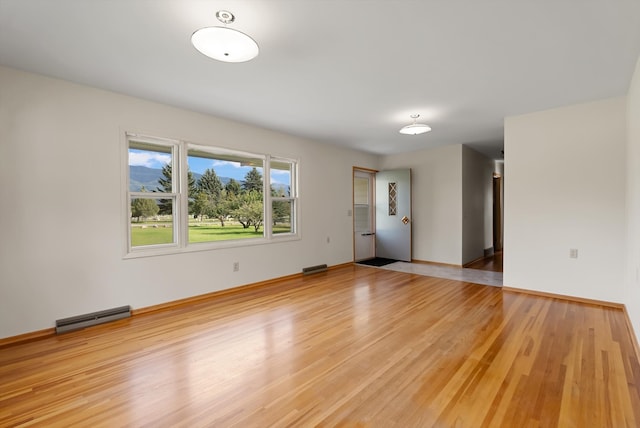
{"x": 405, "y": 220}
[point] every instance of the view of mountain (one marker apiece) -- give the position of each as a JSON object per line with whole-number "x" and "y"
{"x": 148, "y": 177}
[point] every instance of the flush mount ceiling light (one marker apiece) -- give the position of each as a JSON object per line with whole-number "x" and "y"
{"x": 224, "y": 43}
{"x": 415, "y": 128}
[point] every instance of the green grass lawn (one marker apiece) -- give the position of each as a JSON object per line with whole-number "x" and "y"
{"x": 198, "y": 233}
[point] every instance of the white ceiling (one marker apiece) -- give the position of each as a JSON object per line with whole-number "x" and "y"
{"x": 345, "y": 72}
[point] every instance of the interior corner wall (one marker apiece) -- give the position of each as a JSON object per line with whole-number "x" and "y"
{"x": 61, "y": 227}
{"x": 632, "y": 295}
{"x": 566, "y": 189}
{"x": 477, "y": 208}
{"x": 436, "y": 176}
{"x": 498, "y": 167}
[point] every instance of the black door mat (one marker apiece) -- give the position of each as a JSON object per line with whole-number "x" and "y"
{"x": 377, "y": 261}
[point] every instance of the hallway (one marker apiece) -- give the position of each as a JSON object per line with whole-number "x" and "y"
{"x": 491, "y": 263}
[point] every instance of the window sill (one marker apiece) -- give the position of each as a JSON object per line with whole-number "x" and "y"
{"x": 165, "y": 250}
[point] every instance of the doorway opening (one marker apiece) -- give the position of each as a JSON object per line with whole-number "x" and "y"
{"x": 497, "y": 212}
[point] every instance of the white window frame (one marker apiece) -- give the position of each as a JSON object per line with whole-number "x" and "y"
{"x": 174, "y": 148}
{"x": 180, "y": 188}
{"x": 293, "y": 197}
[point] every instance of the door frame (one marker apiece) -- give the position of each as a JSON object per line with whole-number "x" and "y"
{"x": 372, "y": 195}
{"x": 497, "y": 212}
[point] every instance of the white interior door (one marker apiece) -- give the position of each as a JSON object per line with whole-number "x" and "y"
{"x": 393, "y": 214}
{"x": 363, "y": 215}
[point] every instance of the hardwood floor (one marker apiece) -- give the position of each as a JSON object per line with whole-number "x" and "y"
{"x": 492, "y": 263}
{"x": 355, "y": 346}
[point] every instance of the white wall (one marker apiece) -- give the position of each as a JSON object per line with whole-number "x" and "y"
{"x": 61, "y": 227}
{"x": 566, "y": 189}
{"x": 436, "y": 176}
{"x": 632, "y": 297}
{"x": 477, "y": 209}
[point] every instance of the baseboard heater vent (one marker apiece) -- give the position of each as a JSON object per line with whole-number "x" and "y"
{"x": 314, "y": 269}
{"x": 81, "y": 321}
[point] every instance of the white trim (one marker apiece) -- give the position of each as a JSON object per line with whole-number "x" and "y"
{"x": 266, "y": 199}
{"x": 165, "y": 249}
{"x": 125, "y": 208}
{"x": 222, "y": 151}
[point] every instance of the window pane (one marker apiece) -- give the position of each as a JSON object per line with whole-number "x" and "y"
{"x": 361, "y": 191}
{"x": 282, "y": 214}
{"x": 225, "y": 196}
{"x": 362, "y": 218}
{"x": 149, "y": 168}
{"x": 148, "y": 225}
{"x": 280, "y": 179}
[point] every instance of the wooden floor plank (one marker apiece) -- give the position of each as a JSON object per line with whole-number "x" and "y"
{"x": 354, "y": 346}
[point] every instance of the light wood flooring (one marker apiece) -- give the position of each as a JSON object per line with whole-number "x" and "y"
{"x": 491, "y": 263}
{"x": 355, "y": 346}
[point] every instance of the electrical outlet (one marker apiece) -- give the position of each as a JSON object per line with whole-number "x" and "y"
{"x": 236, "y": 266}
{"x": 573, "y": 253}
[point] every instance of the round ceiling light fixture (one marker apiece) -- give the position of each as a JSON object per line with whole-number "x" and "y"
{"x": 224, "y": 43}
{"x": 415, "y": 128}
